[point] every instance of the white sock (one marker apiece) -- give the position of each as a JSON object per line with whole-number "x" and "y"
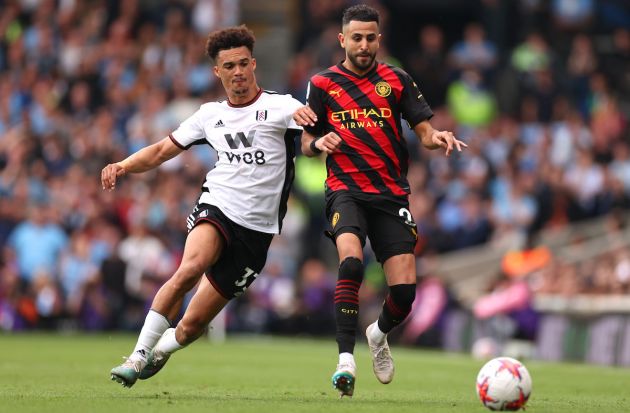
{"x": 154, "y": 326}
{"x": 168, "y": 343}
{"x": 376, "y": 335}
{"x": 346, "y": 358}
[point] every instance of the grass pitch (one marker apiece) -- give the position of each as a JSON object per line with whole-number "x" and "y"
{"x": 55, "y": 373}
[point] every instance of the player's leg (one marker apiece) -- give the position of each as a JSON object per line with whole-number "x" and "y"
{"x": 203, "y": 247}
{"x": 396, "y": 307}
{"x": 347, "y": 229}
{"x": 393, "y": 236}
{"x": 243, "y": 257}
{"x": 203, "y": 307}
{"x": 349, "y": 281}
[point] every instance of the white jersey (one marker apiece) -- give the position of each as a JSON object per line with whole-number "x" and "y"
{"x": 255, "y": 144}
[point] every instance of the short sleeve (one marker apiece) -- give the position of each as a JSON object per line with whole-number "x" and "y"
{"x": 315, "y": 99}
{"x": 293, "y": 105}
{"x": 414, "y": 107}
{"x": 189, "y": 132}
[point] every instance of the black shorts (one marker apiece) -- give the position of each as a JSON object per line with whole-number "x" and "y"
{"x": 244, "y": 253}
{"x": 385, "y": 220}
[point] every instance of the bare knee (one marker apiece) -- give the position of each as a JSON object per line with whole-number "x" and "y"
{"x": 187, "y": 276}
{"x": 189, "y": 330}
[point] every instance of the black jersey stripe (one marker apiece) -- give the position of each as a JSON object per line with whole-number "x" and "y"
{"x": 393, "y": 130}
{"x": 401, "y": 150}
{"x": 361, "y": 97}
{"x": 289, "y": 142}
{"x": 337, "y": 171}
{"x": 358, "y": 161}
{"x": 367, "y": 138}
{"x": 362, "y": 180}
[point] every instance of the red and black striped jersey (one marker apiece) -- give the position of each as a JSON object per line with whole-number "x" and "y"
{"x": 365, "y": 111}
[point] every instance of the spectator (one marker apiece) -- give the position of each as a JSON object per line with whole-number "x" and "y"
{"x": 143, "y": 255}
{"x": 84, "y": 83}
{"x": 76, "y": 271}
{"x": 469, "y": 101}
{"x": 38, "y": 243}
{"x": 585, "y": 182}
{"x": 427, "y": 64}
{"x": 474, "y": 51}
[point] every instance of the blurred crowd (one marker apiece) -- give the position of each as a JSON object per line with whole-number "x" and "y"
{"x": 543, "y": 105}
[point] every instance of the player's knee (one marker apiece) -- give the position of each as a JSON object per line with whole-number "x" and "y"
{"x": 189, "y": 331}
{"x": 192, "y": 267}
{"x": 182, "y": 284}
{"x": 187, "y": 276}
{"x": 351, "y": 268}
{"x": 403, "y": 295}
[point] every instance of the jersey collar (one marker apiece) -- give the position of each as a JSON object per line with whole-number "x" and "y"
{"x": 242, "y": 105}
{"x": 341, "y": 67}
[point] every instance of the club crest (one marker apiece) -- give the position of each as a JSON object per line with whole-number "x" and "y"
{"x": 335, "y": 219}
{"x": 383, "y": 89}
{"x": 261, "y": 115}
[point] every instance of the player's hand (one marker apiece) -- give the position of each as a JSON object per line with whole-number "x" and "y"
{"x": 305, "y": 116}
{"x": 447, "y": 140}
{"x": 329, "y": 143}
{"x": 109, "y": 174}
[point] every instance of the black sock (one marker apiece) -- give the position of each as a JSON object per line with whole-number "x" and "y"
{"x": 397, "y": 306}
{"x": 347, "y": 303}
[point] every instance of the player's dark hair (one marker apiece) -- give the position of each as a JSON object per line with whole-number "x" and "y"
{"x": 360, "y": 12}
{"x": 229, "y": 38}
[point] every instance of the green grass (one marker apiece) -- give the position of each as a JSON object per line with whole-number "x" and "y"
{"x": 70, "y": 373}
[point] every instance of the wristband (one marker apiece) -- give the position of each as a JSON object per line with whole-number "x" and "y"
{"x": 314, "y": 148}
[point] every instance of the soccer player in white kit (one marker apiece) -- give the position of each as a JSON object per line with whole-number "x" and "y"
{"x": 241, "y": 207}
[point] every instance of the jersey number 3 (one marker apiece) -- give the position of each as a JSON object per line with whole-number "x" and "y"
{"x": 242, "y": 283}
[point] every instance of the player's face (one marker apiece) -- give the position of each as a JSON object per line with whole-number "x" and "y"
{"x": 235, "y": 67}
{"x": 361, "y": 42}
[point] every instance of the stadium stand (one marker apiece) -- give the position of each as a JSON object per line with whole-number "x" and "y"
{"x": 542, "y": 103}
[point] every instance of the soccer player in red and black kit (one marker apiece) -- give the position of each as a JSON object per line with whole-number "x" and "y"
{"x": 353, "y": 114}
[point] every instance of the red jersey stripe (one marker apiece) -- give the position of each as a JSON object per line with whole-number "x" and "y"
{"x": 366, "y": 112}
{"x": 359, "y": 178}
{"x": 376, "y": 162}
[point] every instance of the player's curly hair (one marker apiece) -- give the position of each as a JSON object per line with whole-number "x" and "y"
{"x": 229, "y": 38}
{"x": 360, "y": 12}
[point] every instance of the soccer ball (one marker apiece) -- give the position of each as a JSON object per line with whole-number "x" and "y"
{"x": 504, "y": 383}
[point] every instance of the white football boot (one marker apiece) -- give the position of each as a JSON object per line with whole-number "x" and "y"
{"x": 382, "y": 361}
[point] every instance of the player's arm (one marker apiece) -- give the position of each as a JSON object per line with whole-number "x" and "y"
{"x": 145, "y": 159}
{"x": 312, "y": 118}
{"x": 305, "y": 116}
{"x": 313, "y": 146}
{"x": 435, "y": 139}
{"x": 417, "y": 112}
